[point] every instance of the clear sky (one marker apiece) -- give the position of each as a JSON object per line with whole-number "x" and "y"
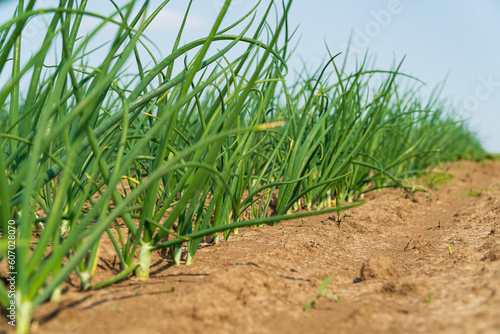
{"x": 455, "y": 38}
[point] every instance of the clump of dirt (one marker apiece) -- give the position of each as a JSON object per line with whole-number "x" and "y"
{"x": 429, "y": 263}
{"x": 493, "y": 254}
{"x": 379, "y": 267}
{"x": 411, "y": 287}
{"x": 464, "y": 255}
{"x": 419, "y": 245}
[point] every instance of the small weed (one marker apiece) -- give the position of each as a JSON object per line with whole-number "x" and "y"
{"x": 314, "y": 303}
{"x": 392, "y": 207}
{"x": 311, "y": 303}
{"x": 429, "y": 298}
{"x": 429, "y": 194}
{"x": 473, "y": 192}
{"x": 434, "y": 179}
{"x": 117, "y": 308}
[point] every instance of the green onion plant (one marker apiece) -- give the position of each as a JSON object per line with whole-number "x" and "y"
{"x": 161, "y": 152}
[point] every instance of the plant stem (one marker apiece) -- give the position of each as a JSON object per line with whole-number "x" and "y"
{"x": 145, "y": 253}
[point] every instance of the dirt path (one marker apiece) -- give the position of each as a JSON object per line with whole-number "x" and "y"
{"x": 399, "y": 265}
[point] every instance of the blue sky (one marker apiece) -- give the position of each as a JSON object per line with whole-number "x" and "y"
{"x": 454, "y": 38}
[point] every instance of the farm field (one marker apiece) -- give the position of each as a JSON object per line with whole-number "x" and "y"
{"x": 434, "y": 258}
{"x": 217, "y": 187}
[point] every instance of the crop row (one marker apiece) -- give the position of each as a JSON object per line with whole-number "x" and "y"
{"x": 196, "y": 143}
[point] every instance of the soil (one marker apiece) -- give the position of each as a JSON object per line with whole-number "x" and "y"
{"x": 399, "y": 264}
